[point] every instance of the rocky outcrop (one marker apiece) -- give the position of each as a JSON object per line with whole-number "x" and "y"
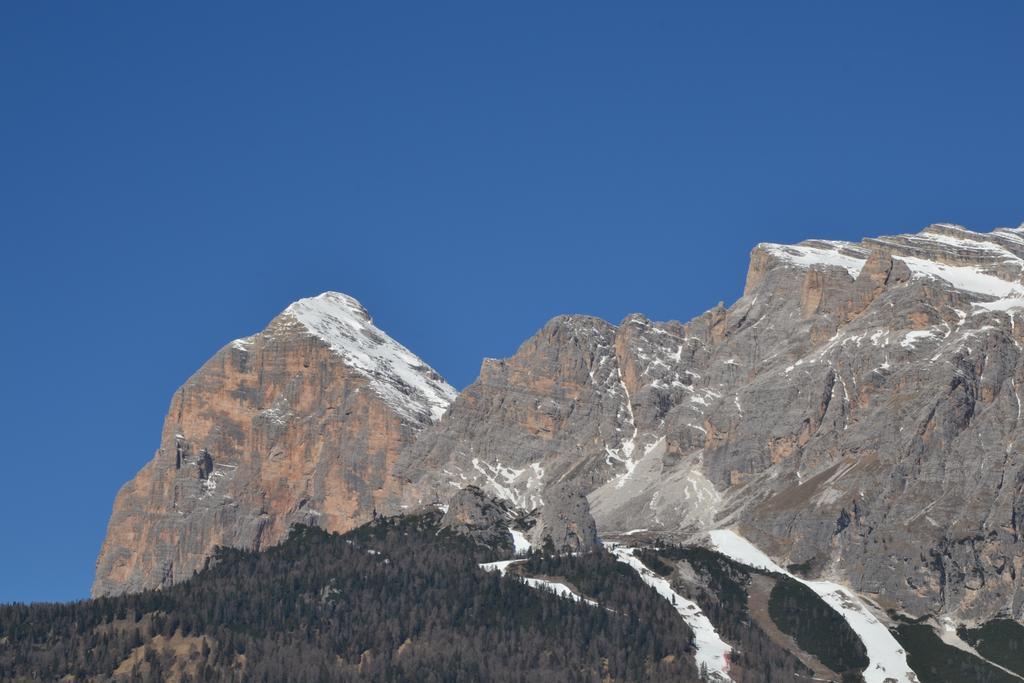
{"x": 481, "y": 517}
{"x": 564, "y": 523}
{"x": 301, "y": 423}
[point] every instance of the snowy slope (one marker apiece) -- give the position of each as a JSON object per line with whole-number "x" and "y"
{"x": 711, "y": 649}
{"x": 521, "y": 544}
{"x": 556, "y": 587}
{"x": 396, "y": 374}
{"x": 888, "y": 661}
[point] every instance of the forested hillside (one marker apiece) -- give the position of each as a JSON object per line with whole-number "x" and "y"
{"x": 395, "y": 600}
{"x": 405, "y": 599}
{"x": 784, "y": 632}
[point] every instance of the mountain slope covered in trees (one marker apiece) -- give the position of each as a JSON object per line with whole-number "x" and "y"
{"x": 407, "y": 599}
{"x": 396, "y": 600}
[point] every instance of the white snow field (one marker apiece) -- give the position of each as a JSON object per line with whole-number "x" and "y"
{"x": 520, "y": 543}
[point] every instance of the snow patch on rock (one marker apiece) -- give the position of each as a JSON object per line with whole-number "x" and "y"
{"x": 830, "y": 254}
{"x": 396, "y": 374}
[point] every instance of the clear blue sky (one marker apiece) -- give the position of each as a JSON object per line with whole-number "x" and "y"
{"x": 172, "y": 175}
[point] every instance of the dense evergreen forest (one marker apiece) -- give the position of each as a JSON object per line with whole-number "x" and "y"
{"x": 936, "y": 662}
{"x": 1001, "y": 640}
{"x": 401, "y": 599}
{"x": 816, "y": 627}
{"x": 395, "y": 600}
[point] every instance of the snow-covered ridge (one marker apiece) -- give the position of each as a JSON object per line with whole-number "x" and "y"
{"x": 396, "y": 374}
{"x": 988, "y": 266}
{"x": 818, "y": 253}
{"x": 887, "y": 659}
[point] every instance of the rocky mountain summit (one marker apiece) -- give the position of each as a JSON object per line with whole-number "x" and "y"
{"x": 301, "y": 423}
{"x": 856, "y": 412}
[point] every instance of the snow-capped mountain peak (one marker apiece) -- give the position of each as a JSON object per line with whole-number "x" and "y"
{"x": 398, "y": 375}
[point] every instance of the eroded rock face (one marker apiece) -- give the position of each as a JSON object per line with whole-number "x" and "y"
{"x": 473, "y": 513}
{"x": 527, "y": 420}
{"x": 562, "y": 524}
{"x": 858, "y": 409}
{"x": 565, "y": 521}
{"x": 301, "y": 423}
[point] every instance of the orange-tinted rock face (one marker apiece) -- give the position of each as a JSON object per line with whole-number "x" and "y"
{"x": 288, "y": 426}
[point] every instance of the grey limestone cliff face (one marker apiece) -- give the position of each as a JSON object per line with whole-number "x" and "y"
{"x": 857, "y": 408}
{"x": 530, "y": 419}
